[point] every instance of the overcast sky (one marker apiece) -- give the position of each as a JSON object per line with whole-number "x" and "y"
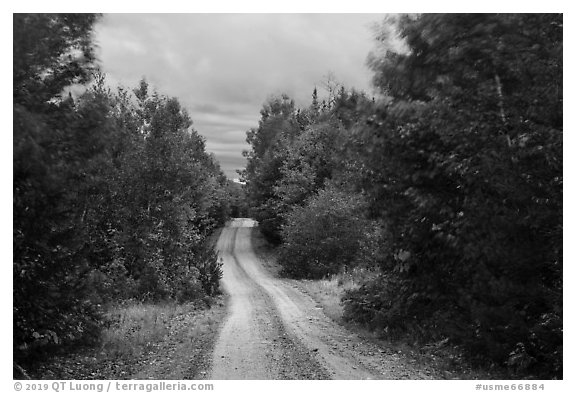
{"x": 223, "y": 67}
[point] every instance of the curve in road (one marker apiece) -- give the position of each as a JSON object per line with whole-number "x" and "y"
{"x": 274, "y": 331}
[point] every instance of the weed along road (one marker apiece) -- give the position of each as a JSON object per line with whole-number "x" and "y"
{"x": 275, "y": 331}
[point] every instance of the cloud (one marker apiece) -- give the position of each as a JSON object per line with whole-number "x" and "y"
{"x": 223, "y": 67}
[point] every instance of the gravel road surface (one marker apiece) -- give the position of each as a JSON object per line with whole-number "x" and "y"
{"x": 274, "y": 331}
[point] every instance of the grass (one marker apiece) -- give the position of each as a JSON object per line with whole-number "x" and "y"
{"x": 138, "y": 334}
{"x": 135, "y": 328}
{"x": 139, "y": 340}
{"x": 328, "y": 293}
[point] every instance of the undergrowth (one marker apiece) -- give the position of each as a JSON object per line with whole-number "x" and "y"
{"x": 134, "y": 328}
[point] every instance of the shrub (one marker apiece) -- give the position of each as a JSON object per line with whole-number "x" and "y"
{"x": 210, "y": 270}
{"x": 323, "y": 235}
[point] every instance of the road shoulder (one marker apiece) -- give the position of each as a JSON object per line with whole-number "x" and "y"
{"x": 389, "y": 359}
{"x": 183, "y": 351}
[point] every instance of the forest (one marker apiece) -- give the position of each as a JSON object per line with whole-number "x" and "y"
{"x": 445, "y": 186}
{"x": 114, "y": 192}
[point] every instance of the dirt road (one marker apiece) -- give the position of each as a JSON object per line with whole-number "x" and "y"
{"x": 274, "y": 331}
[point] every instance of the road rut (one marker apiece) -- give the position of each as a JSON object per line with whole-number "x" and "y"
{"x": 274, "y": 331}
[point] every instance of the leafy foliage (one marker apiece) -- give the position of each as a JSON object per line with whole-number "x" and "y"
{"x": 238, "y": 202}
{"x": 294, "y": 152}
{"x": 114, "y": 193}
{"x": 324, "y": 235}
{"x": 51, "y": 52}
{"x": 467, "y": 172}
{"x": 51, "y": 266}
{"x": 458, "y": 162}
{"x": 277, "y": 125}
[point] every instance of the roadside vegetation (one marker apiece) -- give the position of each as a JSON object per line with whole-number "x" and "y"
{"x": 115, "y": 199}
{"x": 430, "y": 212}
{"x": 446, "y": 186}
{"x": 446, "y": 360}
{"x": 142, "y": 341}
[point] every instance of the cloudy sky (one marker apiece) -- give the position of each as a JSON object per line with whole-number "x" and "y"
{"x": 223, "y": 67}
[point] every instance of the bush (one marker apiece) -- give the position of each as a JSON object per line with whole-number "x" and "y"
{"x": 210, "y": 270}
{"x": 328, "y": 232}
{"x": 465, "y": 166}
{"x": 271, "y": 229}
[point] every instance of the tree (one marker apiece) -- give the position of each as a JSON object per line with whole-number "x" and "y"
{"x": 114, "y": 194}
{"x": 278, "y": 126}
{"x": 308, "y": 163}
{"x": 55, "y": 173}
{"x": 51, "y": 52}
{"x": 173, "y": 197}
{"x": 462, "y": 160}
{"x": 324, "y": 235}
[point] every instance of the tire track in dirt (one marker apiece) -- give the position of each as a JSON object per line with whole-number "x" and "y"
{"x": 275, "y": 331}
{"x": 253, "y": 343}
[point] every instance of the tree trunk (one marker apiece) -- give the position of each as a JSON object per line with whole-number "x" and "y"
{"x": 501, "y": 106}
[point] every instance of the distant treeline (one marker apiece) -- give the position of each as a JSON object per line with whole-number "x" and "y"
{"x": 114, "y": 192}
{"x": 447, "y": 185}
